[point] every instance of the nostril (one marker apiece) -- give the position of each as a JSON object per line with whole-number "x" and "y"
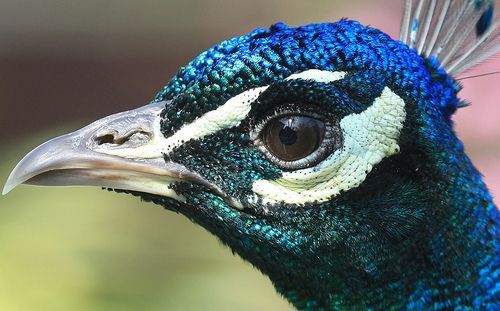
{"x": 105, "y": 139}
{"x": 136, "y": 137}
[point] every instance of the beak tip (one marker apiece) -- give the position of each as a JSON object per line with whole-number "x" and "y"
{"x": 7, "y": 188}
{"x": 9, "y": 185}
{"x": 13, "y": 181}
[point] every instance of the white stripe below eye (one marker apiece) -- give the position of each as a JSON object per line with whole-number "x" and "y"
{"x": 369, "y": 137}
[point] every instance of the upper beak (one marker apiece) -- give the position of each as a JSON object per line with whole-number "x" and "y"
{"x": 121, "y": 151}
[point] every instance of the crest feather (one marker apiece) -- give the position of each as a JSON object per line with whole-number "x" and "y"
{"x": 459, "y": 33}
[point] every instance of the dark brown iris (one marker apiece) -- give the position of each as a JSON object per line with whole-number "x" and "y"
{"x": 292, "y": 138}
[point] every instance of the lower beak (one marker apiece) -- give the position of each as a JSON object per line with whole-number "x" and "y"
{"x": 121, "y": 151}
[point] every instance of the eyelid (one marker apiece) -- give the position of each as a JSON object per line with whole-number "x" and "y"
{"x": 332, "y": 141}
{"x": 256, "y": 125}
{"x": 326, "y": 98}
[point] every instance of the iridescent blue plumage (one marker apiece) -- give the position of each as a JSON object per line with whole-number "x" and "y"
{"x": 265, "y": 56}
{"x": 454, "y": 228}
{"x": 406, "y": 221}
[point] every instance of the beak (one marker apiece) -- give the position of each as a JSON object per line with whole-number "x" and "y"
{"x": 121, "y": 151}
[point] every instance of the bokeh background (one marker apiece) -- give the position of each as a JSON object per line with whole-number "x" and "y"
{"x": 64, "y": 64}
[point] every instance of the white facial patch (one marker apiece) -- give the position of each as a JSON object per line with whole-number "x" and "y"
{"x": 226, "y": 116}
{"x": 236, "y": 110}
{"x": 369, "y": 137}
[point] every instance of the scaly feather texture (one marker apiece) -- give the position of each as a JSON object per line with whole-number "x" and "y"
{"x": 324, "y": 155}
{"x": 409, "y": 246}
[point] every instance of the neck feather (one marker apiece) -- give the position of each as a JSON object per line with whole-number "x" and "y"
{"x": 453, "y": 260}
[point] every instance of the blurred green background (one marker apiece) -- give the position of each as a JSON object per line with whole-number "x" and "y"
{"x": 86, "y": 249}
{"x": 64, "y": 64}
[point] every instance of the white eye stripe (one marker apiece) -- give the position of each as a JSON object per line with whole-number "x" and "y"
{"x": 228, "y": 115}
{"x": 319, "y": 75}
{"x": 369, "y": 137}
{"x": 235, "y": 110}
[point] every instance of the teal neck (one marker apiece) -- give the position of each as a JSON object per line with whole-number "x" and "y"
{"x": 444, "y": 266}
{"x": 425, "y": 237}
{"x": 450, "y": 259}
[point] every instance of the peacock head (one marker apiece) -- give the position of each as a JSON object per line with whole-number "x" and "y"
{"x": 305, "y": 150}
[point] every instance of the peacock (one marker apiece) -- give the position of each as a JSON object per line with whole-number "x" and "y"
{"x": 324, "y": 155}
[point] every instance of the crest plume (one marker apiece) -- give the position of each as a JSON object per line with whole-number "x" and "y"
{"x": 460, "y": 34}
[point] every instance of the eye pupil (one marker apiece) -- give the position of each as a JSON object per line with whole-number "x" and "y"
{"x": 293, "y": 138}
{"x": 288, "y": 136}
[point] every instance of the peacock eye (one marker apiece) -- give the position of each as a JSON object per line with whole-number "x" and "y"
{"x": 293, "y": 137}
{"x": 297, "y": 141}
